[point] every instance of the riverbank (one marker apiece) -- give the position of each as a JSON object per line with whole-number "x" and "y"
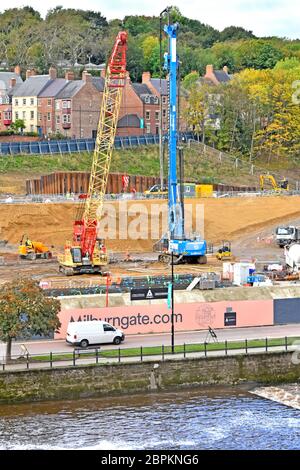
{"x": 116, "y": 379}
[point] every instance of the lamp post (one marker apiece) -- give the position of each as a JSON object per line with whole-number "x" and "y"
{"x": 172, "y": 307}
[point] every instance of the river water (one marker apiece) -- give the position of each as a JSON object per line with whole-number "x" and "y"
{"x": 222, "y": 418}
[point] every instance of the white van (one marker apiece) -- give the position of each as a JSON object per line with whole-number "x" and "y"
{"x": 84, "y": 333}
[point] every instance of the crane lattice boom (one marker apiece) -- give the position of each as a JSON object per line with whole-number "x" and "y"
{"x": 85, "y": 230}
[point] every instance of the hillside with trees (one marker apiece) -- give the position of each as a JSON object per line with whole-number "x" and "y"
{"x": 76, "y": 36}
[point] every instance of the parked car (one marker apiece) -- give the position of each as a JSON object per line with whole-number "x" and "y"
{"x": 84, "y": 333}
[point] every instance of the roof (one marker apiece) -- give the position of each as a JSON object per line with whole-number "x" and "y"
{"x": 5, "y": 78}
{"x": 144, "y": 93}
{"x": 98, "y": 82}
{"x": 129, "y": 120}
{"x": 33, "y": 86}
{"x": 164, "y": 85}
{"x": 70, "y": 90}
{"x": 221, "y": 76}
{"x": 53, "y": 88}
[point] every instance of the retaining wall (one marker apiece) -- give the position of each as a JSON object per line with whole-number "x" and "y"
{"x": 101, "y": 380}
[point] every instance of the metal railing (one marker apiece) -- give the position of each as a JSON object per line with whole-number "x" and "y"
{"x": 97, "y": 356}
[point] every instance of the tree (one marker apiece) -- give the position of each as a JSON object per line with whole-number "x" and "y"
{"x": 18, "y": 125}
{"x": 235, "y": 33}
{"x": 26, "y": 311}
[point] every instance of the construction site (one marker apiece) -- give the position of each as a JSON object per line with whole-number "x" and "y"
{"x": 92, "y": 237}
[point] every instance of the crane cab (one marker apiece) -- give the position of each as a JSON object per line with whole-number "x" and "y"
{"x": 73, "y": 262}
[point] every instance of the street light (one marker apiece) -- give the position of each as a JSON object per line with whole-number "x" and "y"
{"x": 172, "y": 306}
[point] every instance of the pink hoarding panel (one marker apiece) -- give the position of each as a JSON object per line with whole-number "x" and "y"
{"x": 145, "y": 319}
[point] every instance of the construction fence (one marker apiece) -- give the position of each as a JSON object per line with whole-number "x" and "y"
{"x": 53, "y": 147}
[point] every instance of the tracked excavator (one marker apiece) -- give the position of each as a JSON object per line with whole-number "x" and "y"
{"x": 86, "y": 253}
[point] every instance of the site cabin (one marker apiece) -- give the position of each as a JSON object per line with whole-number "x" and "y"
{"x": 84, "y": 333}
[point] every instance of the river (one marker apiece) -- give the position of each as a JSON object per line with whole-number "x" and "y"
{"x": 223, "y": 418}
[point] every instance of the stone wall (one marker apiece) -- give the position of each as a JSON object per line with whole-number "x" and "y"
{"x": 101, "y": 380}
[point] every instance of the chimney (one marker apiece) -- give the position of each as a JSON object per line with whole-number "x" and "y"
{"x": 12, "y": 82}
{"x": 30, "y": 73}
{"x": 52, "y": 73}
{"x": 225, "y": 69}
{"x": 69, "y": 75}
{"x": 87, "y": 77}
{"x": 17, "y": 70}
{"x": 146, "y": 76}
{"x": 209, "y": 69}
{"x": 102, "y": 73}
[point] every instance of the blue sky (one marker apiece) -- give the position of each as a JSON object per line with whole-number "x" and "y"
{"x": 263, "y": 17}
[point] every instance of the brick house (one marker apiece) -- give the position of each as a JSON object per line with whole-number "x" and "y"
{"x": 9, "y": 81}
{"x": 46, "y": 103}
{"x": 158, "y": 88}
{"x": 77, "y": 107}
{"x": 215, "y": 77}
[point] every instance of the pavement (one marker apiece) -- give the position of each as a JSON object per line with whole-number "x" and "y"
{"x": 189, "y": 337}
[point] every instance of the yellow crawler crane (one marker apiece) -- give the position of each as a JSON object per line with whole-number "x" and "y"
{"x": 87, "y": 253}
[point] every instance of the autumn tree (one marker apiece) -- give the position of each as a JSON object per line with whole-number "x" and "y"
{"x": 26, "y": 311}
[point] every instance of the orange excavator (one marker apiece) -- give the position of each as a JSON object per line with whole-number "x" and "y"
{"x": 32, "y": 250}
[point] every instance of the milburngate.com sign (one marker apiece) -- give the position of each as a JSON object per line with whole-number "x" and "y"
{"x": 156, "y": 318}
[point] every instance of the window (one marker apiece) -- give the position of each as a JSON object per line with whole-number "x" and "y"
{"x": 148, "y": 129}
{"x": 49, "y": 102}
{"x": 57, "y": 119}
{"x": 164, "y": 100}
{"x": 7, "y": 115}
{"x": 31, "y": 128}
{"x": 57, "y": 105}
{"x": 16, "y": 115}
{"x": 147, "y": 99}
{"x": 147, "y": 115}
{"x": 66, "y": 118}
{"x": 107, "y": 327}
{"x": 24, "y": 114}
{"x": 16, "y": 102}
{"x": 164, "y": 113}
{"x": 64, "y": 104}
{"x": 39, "y": 116}
{"x": 31, "y": 115}
{"x": 31, "y": 101}
{"x": 24, "y": 101}
{"x": 49, "y": 116}
{"x": 69, "y": 104}
{"x": 156, "y": 100}
{"x": 156, "y": 115}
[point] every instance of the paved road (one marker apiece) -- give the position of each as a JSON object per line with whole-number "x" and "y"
{"x": 37, "y": 347}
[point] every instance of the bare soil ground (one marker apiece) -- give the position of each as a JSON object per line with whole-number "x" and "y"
{"x": 248, "y": 222}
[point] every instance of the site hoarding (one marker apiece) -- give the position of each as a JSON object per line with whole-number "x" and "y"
{"x": 156, "y": 318}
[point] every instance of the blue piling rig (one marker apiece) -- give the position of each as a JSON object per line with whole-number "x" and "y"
{"x": 185, "y": 250}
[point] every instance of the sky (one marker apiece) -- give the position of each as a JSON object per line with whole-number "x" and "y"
{"x": 263, "y": 17}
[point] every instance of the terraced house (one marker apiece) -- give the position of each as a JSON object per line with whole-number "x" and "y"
{"x": 25, "y": 99}
{"x": 9, "y": 81}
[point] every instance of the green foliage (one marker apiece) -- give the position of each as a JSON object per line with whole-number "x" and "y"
{"x": 75, "y": 35}
{"x": 26, "y": 311}
{"x": 17, "y": 125}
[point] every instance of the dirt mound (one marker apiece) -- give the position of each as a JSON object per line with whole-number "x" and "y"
{"x": 223, "y": 219}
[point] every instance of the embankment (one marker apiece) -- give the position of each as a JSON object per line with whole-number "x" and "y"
{"x": 101, "y": 380}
